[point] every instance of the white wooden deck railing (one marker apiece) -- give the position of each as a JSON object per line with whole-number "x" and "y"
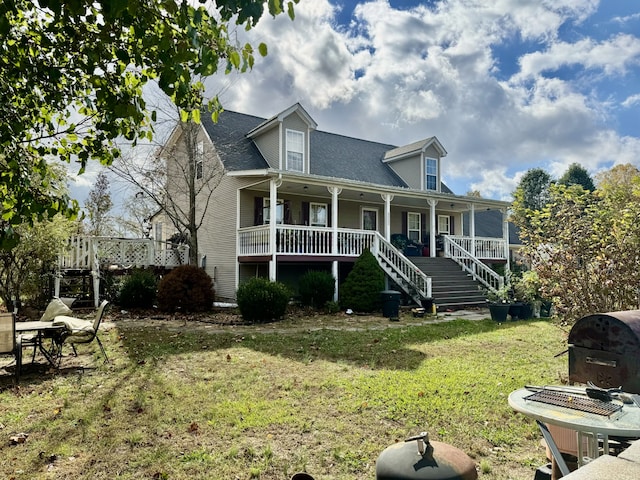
{"x": 89, "y": 253}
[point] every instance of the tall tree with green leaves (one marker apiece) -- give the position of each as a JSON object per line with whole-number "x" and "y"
{"x": 531, "y": 195}
{"x": 72, "y": 74}
{"x": 576, "y": 174}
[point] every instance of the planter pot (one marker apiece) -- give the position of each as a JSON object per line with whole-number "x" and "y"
{"x": 499, "y": 311}
{"x": 515, "y": 310}
{"x": 526, "y": 311}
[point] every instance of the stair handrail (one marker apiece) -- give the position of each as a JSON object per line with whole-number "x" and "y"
{"x": 387, "y": 254}
{"x": 470, "y": 264}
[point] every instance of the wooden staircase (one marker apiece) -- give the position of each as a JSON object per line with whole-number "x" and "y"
{"x": 451, "y": 287}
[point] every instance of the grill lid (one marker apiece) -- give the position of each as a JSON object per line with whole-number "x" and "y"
{"x": 614, "y": 332}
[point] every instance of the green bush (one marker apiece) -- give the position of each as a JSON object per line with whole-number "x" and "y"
{"x": 316, "y": 288}
{"x": 187, "y": 289}
{"x": 138, "y": 290}
{"x": 260, "y": 300}
{"x": 361, "y": 289}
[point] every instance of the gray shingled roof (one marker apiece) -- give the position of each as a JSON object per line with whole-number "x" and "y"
{"x": 332, "y": 155}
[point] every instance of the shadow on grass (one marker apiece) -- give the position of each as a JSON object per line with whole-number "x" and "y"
{"x": 388, "y": 348}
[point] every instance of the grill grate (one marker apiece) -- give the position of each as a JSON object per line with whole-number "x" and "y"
{"x": 574, "y": 402}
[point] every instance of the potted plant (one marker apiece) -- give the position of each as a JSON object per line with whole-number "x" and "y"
{"x": 499, "y": 303}
{"x": 527, "y": 289}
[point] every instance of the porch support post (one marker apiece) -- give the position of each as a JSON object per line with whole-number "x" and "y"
{"x": 472, "y": 228}
{"x": 432, "y": 226}
{"x": 274, "y": 183}
{"x": 505, "y": 237}
{"x": 387, "y": 197}
{"x": 334, "y": 191}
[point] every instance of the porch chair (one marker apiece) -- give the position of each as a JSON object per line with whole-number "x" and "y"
{"x": 9, "y": 342}
{"x": 82, "y": 331}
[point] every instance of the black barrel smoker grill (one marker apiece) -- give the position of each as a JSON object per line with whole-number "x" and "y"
{"x": 604, "y": 348}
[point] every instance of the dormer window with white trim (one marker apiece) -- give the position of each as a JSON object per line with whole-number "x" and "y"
{"x": 295, "y": 151}
{"x": 430, "y": 174}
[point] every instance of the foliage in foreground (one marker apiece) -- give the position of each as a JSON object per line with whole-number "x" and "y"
{"x": 72, "y": 82}
{"x": 244, "y": 404}
{"x": 583, "y": 245}
{"x": 261, "y": 300}
{"x": 186, "y": 288}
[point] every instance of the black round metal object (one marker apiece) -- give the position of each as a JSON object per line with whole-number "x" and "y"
{"x": 420, "y": 459}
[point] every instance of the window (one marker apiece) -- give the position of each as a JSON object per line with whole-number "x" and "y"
{"x": 430, "y": 174}
{"x": 413, "y": 226}
{"x": 369, "y": 219}
{"x": 318, "y": 214}
{"x": 199, "y": 159}
{"x": 443, "y": 224}
{"x": 295, "y": 151}
{"x": 266, "y": 210}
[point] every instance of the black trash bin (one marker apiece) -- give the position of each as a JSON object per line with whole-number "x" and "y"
{"x": 390, "y": 303}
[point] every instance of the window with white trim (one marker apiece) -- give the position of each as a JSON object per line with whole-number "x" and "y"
{"x": 444, "y": 224}
{"x": 199, "y": 159}
{"x": 318, "y": 214}
{"x": 295, "y": 151}
{"x": 413, "y": 226}
{"x": 430, "y": 174}
{"x": 266, "y": 210}
{"x": 369, "y": 218}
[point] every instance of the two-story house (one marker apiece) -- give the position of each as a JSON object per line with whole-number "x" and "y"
{"x": 294, "y": 198}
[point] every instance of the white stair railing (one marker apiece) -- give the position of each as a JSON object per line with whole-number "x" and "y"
{"x": 480, "y": 272}
{"x": 409, "y": 277}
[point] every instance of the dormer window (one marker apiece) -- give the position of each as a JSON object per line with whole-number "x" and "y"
{"x": 295, "y": 151}
{"x": 430, "y": 174}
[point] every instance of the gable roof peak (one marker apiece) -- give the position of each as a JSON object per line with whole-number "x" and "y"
{"x": 413, "y": 148}
{"x": 278, "y": 118}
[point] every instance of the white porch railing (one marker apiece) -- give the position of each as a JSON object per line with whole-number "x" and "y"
{"x": 318, "y": 241}
{"x": 486, "y": 248}
{"x": 471, "y": 264}
{"x": 409, "y": 277}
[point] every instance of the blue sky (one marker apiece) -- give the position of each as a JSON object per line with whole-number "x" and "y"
{"x": 505, "y": 85}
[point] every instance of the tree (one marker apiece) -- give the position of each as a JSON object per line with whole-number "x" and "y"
{"x": 361, "y": 289}
{"x": 576, "y": 174}
{"x": 72, "y": 82}
{"x": 531, "y": 195}
{"x": 583, "y": 246}
{"x": 98, "y": 205}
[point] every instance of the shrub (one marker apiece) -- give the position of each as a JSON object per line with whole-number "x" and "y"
{"x": 260, "y": 300}
{"x": 316, "y": 288}
{"x": 138, "y": 290}
{"x": 361, "y": 289}
{"x": 186, "y": 288}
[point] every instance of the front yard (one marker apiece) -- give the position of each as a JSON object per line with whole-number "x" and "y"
{"x": 205, "y": 398}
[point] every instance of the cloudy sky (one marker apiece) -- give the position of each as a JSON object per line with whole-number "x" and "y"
{"x": 505, "y": 85}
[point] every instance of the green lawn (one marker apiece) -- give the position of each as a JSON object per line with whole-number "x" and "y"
{"x": 242, "y": 402}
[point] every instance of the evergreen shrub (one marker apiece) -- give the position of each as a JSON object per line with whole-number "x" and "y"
{"x": 186, "y": 288}
{"x": 316, "y": 288}
{"x": 361, "y": 289}
{"x": 261, "y": 300}
{"x": 138, "y": 290}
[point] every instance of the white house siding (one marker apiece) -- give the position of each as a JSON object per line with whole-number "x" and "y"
{"x": 217, "y": 237}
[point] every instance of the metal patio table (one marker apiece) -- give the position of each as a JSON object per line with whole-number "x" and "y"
{"x": 47, "y": 338}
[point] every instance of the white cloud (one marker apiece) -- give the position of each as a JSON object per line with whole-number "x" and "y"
{"x": 397, "y": 76}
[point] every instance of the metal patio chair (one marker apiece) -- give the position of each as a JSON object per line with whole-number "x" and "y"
{"x": 82, "y": 331}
